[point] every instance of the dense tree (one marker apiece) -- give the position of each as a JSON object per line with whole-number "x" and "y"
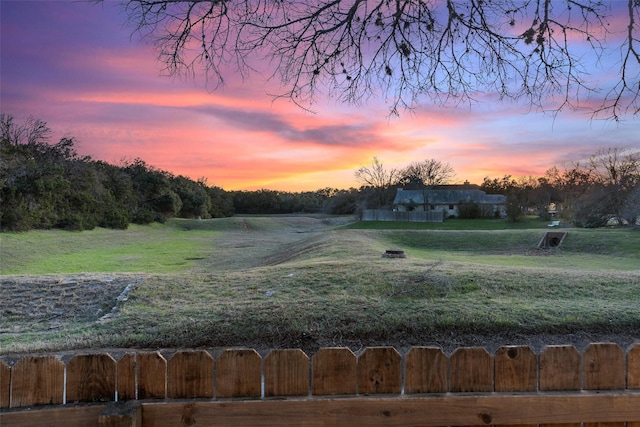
{"x": 598, "y": 190}
{"x": 44, "y": 185}
{"x": 342, "y": 202}
{"x": 631, "y": 209}
{"x": 617, "y": 171}
{"x": 32, "y": 175}
{"x": 444, "y": 51}
{"x": 194, "y": 197}
{"x": 221, "y": 202}
{"x": 508, "y": 186}
{"x": 157, "y": 200}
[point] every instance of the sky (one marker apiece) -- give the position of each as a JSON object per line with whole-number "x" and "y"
{"x": 77, "y": 66}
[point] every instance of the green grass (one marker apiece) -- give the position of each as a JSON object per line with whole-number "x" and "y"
{"x": 312, "y": 281}
{"x": 156, "y": 248}
{"x": 530, "y": 222}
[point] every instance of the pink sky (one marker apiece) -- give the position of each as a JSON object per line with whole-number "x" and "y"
{"x": 76, "y": 66}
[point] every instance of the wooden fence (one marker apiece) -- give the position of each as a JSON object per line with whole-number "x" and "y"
{"x": 412, "y": 216}
{"x": 335, "y": 387}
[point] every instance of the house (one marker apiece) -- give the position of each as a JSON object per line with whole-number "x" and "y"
{"x": 451, "y": 200}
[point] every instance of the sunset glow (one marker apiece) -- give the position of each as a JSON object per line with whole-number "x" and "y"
{"x": 76, "y": 66}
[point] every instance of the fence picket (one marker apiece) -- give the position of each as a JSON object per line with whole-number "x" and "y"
{"x": 126, "y": 383}
{"x": 559, "y": 370}
{"x": 238, "y": 373}
{"x": 333, "y": 372}
{"x": 515, "y": 369}
{"x": 91, "y": 378}
{"x": 37, "y": 381}
{"x": 604, "y": 367}
{"x": 633, "y": 367}
{"x": 286, "y": 373}
{"x": 425, "y": 370}
{"x": 5, "y": 384}
{"x": 604, "y": 370}
{"x": 190, "y": 375}
{"x": 379, "y": 370}
{"x": 470, "y": 370}
{"x": 152, "y": 375}
{"x": 504, "y": 386}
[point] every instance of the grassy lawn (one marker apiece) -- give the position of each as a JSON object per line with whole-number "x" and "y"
{"x": 306, "y": 281}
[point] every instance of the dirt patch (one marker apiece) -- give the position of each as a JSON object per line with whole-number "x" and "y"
{"x": 48, "y": 303}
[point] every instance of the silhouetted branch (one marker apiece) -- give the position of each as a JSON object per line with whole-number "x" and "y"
{"x": 404, "y": 50}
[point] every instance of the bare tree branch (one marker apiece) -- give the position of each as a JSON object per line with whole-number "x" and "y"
{"x": 406, "y": 51}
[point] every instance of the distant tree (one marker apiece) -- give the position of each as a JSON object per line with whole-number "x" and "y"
{"x": 221, "y": 202}
{"x": 430, "y": 172}
{"x": 33, "y": 184}
{"x": 618, "y": 171}
{"x": 542, "y": 195}
{"x": 631, "y": 209}
{"x": 590, "y": 210}
{"x": 194, "y": 197}
{"x": 152, "y": 189}
{"x": 445, "y": 51}
{"x": 508, "y": 186}
{"x": 377, "y": 181}
{"x": 32, "y": 132}
{"x": 342, "y": 202}
{"x": 44, "y": 185}
{"x": 596, "y": 191}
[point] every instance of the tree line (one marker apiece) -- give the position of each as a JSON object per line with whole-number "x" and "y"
{"x": 603, "y": 189}
{"x": 49, "y": 185}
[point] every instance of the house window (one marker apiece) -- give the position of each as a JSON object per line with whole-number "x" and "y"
{"x": 450, "y": 207}
{"x": 433, "y": 207}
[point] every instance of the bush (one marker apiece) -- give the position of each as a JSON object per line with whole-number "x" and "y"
{"x": 468, "y": 210}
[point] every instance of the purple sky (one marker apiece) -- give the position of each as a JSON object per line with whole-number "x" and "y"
{"x": 77, "y": 66}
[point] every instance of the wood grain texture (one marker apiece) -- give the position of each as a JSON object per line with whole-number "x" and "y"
{"x": 91, "y": 378}
{"x": 238, "y": 374}
{"x": 425, "y": 370}
{"x": 515, "y": 369}
{"x": 121, "y": 414}
{"x": 190, "y": 375}
{"x": 333, "y": 372}
{"x": 395, "y": 412}
{"x": 633, "y": 368}
{"x": 5, "y": 384}
{"x": 152, "y": 375}
{"x": 379, "y": 370}
{"x": 559, "y": 368}
{"x": 286, "y": 373}
{"x": 126, "y": 383}
{"x": 470, "y": 370}
{"x": 37, "y": 381}
{"x": 604, "y": 367}
{"x": 55, "y": 416}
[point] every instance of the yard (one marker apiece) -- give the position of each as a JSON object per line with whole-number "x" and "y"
{"x": 310, "y": 282}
